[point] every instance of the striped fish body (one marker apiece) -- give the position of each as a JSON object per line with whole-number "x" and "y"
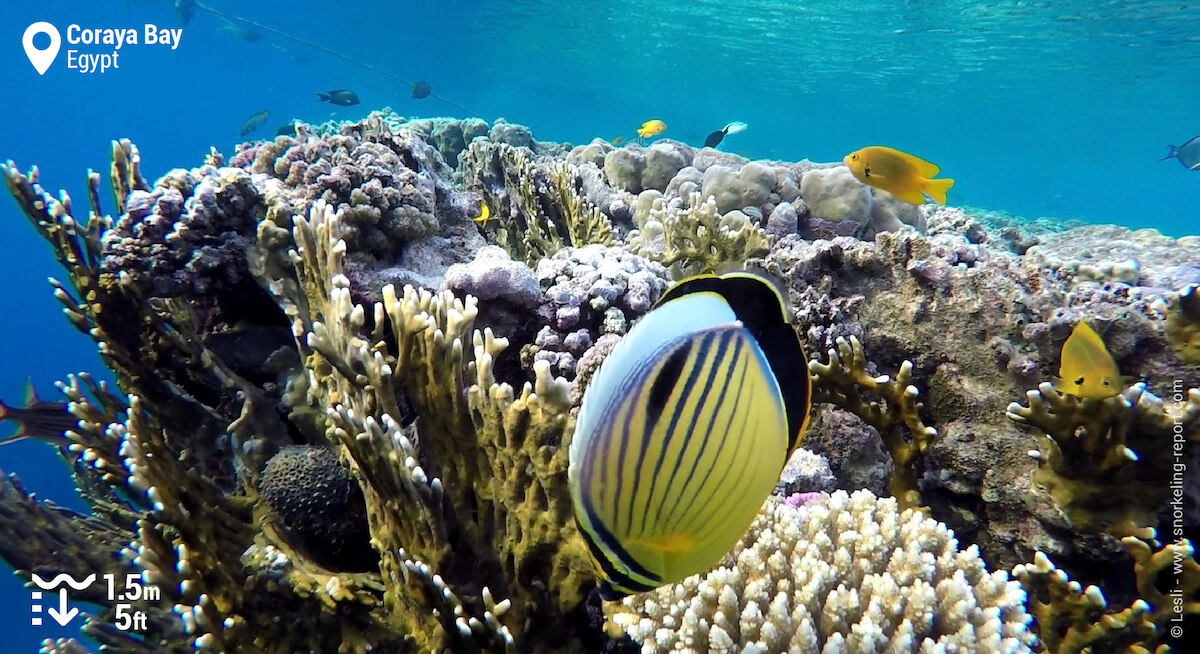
{"x": 680, "y": 438}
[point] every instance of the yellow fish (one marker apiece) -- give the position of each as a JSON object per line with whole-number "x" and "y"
{"x": 1086, "y": 368}
{"x": 651, "y": 128}
{"x": 899, "y": 173}
{"x": 485, "y": 214}
{"x": 684, "y": 430}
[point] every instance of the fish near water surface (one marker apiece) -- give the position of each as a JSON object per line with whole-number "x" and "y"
{"x": 339, "y": 97}
{"x": 899, "y": 173}
{"x": 1188, "y": 154}
{"x": 1086, "y": 369}
{"x": 684, "y": 430}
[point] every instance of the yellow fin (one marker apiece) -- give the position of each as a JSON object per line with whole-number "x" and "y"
{"x": 922, "y": 167}
{"x": 936, "y": 188}
{"x": 912, "y": 197}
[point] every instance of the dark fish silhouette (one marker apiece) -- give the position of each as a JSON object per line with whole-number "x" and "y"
{"x": 714, "y": 139}
{"x": 186, "y": 10}
{"x": 1188, "y": 154}
{"x": 287, "y": 130}
{"x": 39, "y": 419}
{"x": 255, "y": 121}
{"x": 340, "y": 97}
{"x": 421, "y": 90}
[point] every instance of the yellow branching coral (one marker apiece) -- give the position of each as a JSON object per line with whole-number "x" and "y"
{"x": 541, "y": 207}
{"x": 463, "y": 478}
{"x": 1072, "y": 619}
{"x": 848, "y": 574}
{"x": 1183, "y": 324}
{"x": 692, "y": 237}
{"x": 1104, "y": 462}
{"x": 843, "y": 382}
{"x": 473, "y": 494}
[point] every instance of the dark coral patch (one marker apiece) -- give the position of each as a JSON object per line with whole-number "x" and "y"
{"x": 320, "y": 507}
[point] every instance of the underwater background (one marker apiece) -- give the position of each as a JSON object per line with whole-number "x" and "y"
{"x": 1036, "y": 108}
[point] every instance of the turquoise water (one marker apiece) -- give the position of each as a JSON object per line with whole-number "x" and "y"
{"x": 1036, "y": 108}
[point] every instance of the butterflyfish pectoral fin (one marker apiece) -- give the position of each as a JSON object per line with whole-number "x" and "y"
{"x": 676, "y": 468}
{"x": 684, "y": 429}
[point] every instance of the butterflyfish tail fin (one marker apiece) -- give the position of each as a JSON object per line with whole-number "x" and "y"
{"x": 936, "y": 189}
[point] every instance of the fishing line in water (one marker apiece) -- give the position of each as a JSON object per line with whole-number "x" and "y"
{"x": 316, "y": 46}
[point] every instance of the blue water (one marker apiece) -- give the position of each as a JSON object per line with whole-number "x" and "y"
{"x": 1039, "y": 108}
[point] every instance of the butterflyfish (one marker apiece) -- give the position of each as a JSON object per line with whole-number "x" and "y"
{"x": 899, "y": 173}
{"x": 684, "y": 430}
{"x": 39, "y": 419}
{"x": 714, "y": 139}
{"x": 651, "y": 128}
{"x": 1086, "y": 369}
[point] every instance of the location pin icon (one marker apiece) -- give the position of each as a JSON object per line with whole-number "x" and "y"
{"x": 41, "y": 59}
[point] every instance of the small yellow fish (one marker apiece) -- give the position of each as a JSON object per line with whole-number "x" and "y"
{"x": 899, "y": 173}
{"x": 684, "y": 429}
{"x": 485, "y": 214}
{"x": 651, "y": 128}
{"x": 1086, "y": 368}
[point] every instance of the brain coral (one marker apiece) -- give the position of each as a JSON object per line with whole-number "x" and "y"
{"x": 320, "y": 506}
{"x": 851, "y": 574}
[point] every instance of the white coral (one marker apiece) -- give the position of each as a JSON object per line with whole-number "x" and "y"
{"x": 852, "y": 574}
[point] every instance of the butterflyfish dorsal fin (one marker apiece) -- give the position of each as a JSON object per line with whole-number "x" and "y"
{"x": 760, "y": 303}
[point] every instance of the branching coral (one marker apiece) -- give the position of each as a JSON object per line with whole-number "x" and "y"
{"x": 1072, "y": 619}
{"x": 849, "y": 574}
{"x": 477, "y": 493}
{"x": 844, "y": 381}
{"x": 691, "y": 237}
{"x": 541, "y": 207}
{"x": 1183, "y": 324}
{"x": 224, "y": 561}
{"x": 1105, "y": 461}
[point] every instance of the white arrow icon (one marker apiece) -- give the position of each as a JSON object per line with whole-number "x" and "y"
{"x": 62, "y": 615}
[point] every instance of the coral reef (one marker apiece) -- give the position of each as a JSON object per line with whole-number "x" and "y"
{"x": 341, "y": 399}
{"x": 846, "y": 574}
{"x": 1104, "y": 461}
{"x": 1075, "y": 619}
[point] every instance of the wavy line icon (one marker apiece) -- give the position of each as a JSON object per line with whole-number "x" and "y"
{"x": 64, "y": 578}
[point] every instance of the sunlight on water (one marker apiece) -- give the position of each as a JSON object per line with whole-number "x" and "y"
{"x": 1079, "y": 44}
